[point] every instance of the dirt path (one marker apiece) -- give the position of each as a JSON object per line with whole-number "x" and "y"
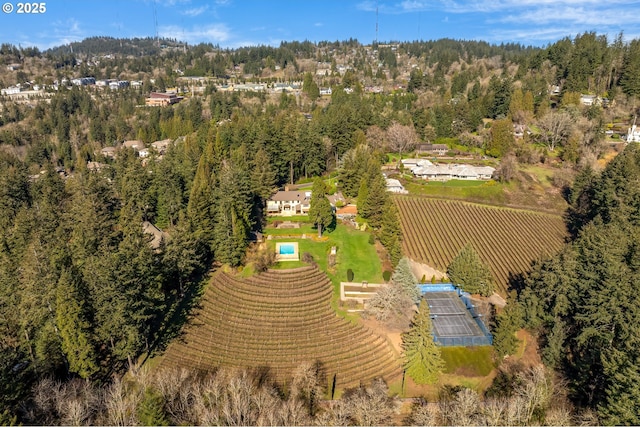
{"x": 425, "y": 270}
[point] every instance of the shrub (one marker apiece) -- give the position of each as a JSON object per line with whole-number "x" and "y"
{"x": 307, "y": 257}
{"x": 349, "y": 275}
{"x": 372, "y": 239}
{"x": 264, "y": 259}
{"x": 386, "y": 275}
{"x": 423, "y": 279}
{"x": 433, "y": 279}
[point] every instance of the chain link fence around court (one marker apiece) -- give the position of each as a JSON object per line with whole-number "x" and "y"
{"x": 456, "y": 321}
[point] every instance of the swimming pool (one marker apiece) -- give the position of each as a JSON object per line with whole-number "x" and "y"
{"x": 287, "y": 249}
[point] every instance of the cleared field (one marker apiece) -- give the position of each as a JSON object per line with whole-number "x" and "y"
{"x": 508, "y": 240}
{"x": 278, "y": 320}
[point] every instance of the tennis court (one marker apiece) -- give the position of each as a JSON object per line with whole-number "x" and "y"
{"x": 450, "y": 316}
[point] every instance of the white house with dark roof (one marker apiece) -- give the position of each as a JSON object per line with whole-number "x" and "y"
{"x": 289, "y": 203}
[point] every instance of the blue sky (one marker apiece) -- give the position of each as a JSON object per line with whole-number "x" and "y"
{"x": 235, "y": 23}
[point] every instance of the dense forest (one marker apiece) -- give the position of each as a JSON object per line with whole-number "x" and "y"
{"x": 84, "y": 294}
{"x": 582, "y": 301}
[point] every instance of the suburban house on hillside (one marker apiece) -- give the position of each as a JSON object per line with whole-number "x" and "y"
{"x": 162, "y": 145}
{"x": 445, "y": 172}
{"x": 136, "y": 144}
{"x": 289, "y": 203}
{"x": 161, "y": 99}
{"x": 633, "y": 134}
{"x": 109, "y": 152}
{"x": 394, "y": 186}
{"x": 589, "y": 100}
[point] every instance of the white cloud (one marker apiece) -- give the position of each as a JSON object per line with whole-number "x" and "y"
{"x": 214, "y": 33}
{"x": 196, "y": 11}
{"x": 62, "y": 33}
{"x": 318, "y": 24}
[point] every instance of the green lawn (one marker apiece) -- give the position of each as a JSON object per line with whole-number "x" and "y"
{"x": 479, "y": 191}
{"x": 304, "y": 229}
{"x": 468, "y": 361}
{"x": 293, "y": 218}
{"x": 353, "y": 251}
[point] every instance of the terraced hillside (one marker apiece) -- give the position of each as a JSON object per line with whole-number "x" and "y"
{"x": 508, "y": 240}
{"x": 279, "y": 319}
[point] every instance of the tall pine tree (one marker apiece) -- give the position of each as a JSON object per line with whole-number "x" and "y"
{"x": 422, "y": 359}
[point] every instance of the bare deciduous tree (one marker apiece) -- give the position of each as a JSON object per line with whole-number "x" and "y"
{"x": 463, "y": 409}
{"x": 401, "y": 139}
{"x": 391, "y": 305}
{"x": 424, "y": 414}
{"x": 371, "y": 405}
{"x": 376, "y": 138}
{"x": 555, "y": 128}
{"x": 121, "y": 403}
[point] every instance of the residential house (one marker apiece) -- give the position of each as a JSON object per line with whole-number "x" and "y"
{"x": 446, "y": 172}
{"x": 336, "y": 199}
{"x": 136, "y": 144}
{"x": 589, "y": 100}
{"x": 286, "y": 87}
{"x": 95, "y": 166}
{"x": 161, "y": 99}
{"x": 347, "y": 212}
{"x": 289, "y": 203}
{"x": 432, "y": 149}
{"x": 109, "y": 152}
{"x": 394, "y": 186}
{"x": 10, "y": 90}
{"x": 83, "y": 81}
{"x": 519, "y": 130}
{"x": 157, "y": 235}
{"x": 633, "y": 134}
{"x": 162, "y": 145}
{"x": 119, "y": 84}
{"x": 249, "y": 87}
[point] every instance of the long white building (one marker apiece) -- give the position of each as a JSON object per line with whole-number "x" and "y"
{"x": 444, "y": 172}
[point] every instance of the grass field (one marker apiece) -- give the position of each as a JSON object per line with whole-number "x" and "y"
{"x": 468, "y": 361}
{"x": 353, "y": 251}
{"x": 532, "y": 187}
{"x": 481, "y": 191}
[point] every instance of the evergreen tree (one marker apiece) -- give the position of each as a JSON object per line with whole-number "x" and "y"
{"x": 630, "y": 80}
{"x": 74, "y": 325}
{"x": 373, "y": 207}
{"x": 507, "y": 323}
{"x": 355, "y": 164}
{"x": 202, "y": 201}
{"x": 422, "y": 360}
{"x": 469, "y": 272}
{"x": 151, "y": 409}
{"x": 403, "y": 276}
{"x": 310, "y": 87}
{"x": 390, "y": 234}
{"x": 502, "y": 139}
{"x": 320, "y": 212}
{"x": 233, "y": 210}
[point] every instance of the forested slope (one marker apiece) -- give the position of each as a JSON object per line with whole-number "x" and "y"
{"x": 583, "y": 300}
